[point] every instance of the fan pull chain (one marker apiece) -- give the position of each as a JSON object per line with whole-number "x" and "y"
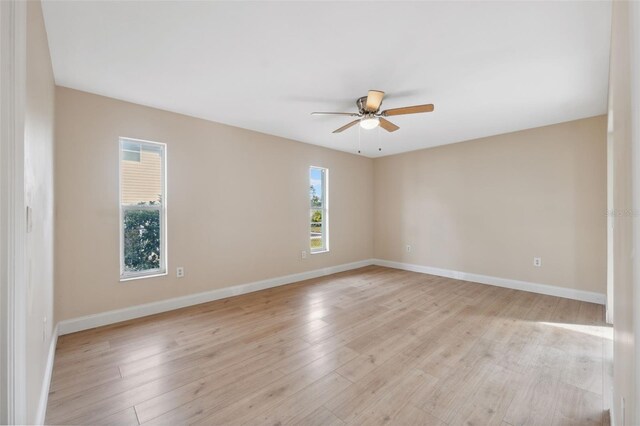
{"x": 359, "y": 136}
{"x": 379, "y": 144}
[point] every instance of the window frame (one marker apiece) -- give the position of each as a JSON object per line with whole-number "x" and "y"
{"x": 325, "y": 210}
{"x": 162, "y": 208}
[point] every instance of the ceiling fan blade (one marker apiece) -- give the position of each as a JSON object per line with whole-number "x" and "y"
{"x": 346, "y": 126}
{"x": 387, "y": 125}
{"x": 350, "y": 114}
{"x": 374, "y": 100}
{"x": 408, "y": 110}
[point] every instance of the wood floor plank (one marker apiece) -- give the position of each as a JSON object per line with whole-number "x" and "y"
{"x": 123, "y": 418}
{"x": 246, "y": 408}
{"x": 387, "y": 408}
{"x": 535, "y": 399}
{"x": 369, "y": 346}
{"x": 454, "y": 389}
{"x": 578, "y": 406}
{"x": 258, "y": 365}
{"x": 374, "y": 356}
{"x": 320, "y": 417}
{"x": 410, "y": 415}
{"x": 89, "y": 407}
{"x": 199, "y": 406}
{"x": 490, "y": 400}
{"x": 350, "y": 403}
{"x": 294, "y": 409}
{"x": 131, "y": 390}
{"x": 63, "y": 387}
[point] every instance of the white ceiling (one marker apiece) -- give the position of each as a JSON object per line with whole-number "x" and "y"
{"x": 489, "y": 67}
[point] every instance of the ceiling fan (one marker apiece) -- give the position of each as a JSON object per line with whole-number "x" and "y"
{"x": 370, "y": 116}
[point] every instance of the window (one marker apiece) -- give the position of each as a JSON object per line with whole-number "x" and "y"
{"x": 319, "y": 209}
{"x": 142, "y": 209}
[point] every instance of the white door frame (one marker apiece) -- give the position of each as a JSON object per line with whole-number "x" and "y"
{"x": 13, "y": 397}
{"x": 634, "y": 61}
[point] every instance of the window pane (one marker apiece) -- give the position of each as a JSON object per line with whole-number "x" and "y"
{"x": 131, "y": 146}
{"x": 317, "y": 244}
{"x": 318, "y": 227}
{"x": 131, "y": 155}
{"x": 141, "y": 240}
{"x": 315, "y": 230}
{"x": 142, "y": 180}
{"x": 316, "y": 187}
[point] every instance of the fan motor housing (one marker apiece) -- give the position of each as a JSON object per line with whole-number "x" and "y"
{"x": 362, "y": 105}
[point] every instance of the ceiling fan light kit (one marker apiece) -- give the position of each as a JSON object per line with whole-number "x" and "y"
{"x": 369, "y": 122}
{"x": 369, "y": 115}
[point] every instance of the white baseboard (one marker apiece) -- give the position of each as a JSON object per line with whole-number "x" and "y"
{"x": 46, "y": 380}
{"x": 612, "y": 416}
{"x": 112, "y": 317}
{"x": 569, "y": 293}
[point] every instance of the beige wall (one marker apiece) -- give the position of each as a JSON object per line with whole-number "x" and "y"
{"x": 490, "y": 205}
{"x": 237, "y": 204}
{"x": 39, "y": 147}
{"x": 621, "y": 196}
{"x": 486, "y": 206}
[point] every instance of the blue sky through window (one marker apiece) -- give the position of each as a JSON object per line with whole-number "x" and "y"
{"x": 315, "y": 179}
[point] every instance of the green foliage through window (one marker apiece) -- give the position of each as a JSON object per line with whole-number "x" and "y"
{"x": 141, "y": 240}
{"x": 315, "y": 200}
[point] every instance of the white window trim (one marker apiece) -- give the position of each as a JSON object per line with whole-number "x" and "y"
{"x": 162, "y": 271}
{"x": 325, "y": 211}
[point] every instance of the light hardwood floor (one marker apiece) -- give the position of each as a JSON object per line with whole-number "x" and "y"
{"x": 371, "y": 346}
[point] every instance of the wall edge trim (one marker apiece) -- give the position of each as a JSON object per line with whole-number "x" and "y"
{"x": 46, "y": 380}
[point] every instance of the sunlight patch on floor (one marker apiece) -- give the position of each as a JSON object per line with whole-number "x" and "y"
{"x": 592, "y": 330}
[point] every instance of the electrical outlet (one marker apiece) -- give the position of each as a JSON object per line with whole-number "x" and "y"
{"x": 537, "y": 262}
{"x": 180, "y": 272}
{"x": 408, "y": 248}
{"x": 303, "y": 254}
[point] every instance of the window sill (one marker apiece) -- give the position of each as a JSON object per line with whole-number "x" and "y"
{"x": 319, "y": 252}
{"x": 140, "y": 277}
